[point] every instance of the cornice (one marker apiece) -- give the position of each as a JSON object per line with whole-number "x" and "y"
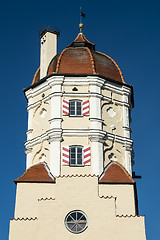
{"x": 96, "y": 120}
{"x": 114, "y": 101}
{"x": 56, "y": 134}
{"x": 55, "y": 94}
{"x": 55, "y": 120}
{"x": 75, "y": 80}
{"x": 29, "y": 131}
{"x": 117, "y": 89}
{"x": 35, "y": 104}
{"x": 55, "y": 80}
{"x": 37, "y": 90}
{"x": 120, "y": 139}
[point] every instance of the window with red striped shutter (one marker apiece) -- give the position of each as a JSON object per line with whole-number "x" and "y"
{"x": 76, "y": 156}
{"x": 75, "y": 107}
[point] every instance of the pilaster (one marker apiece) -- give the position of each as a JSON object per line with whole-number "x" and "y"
{"x": 97, "y": 155}
{"x": 55, "y": 135}
{"x": 126, "y": 117}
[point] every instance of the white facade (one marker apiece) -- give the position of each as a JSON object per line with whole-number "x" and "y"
{"x": 92, "y": 88}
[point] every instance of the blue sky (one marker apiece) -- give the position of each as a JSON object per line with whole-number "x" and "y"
{"x": 129, "y": 32}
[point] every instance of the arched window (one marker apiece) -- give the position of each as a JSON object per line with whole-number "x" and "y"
{"x": 75, "y": 156}
{"x": 75, "y": 108}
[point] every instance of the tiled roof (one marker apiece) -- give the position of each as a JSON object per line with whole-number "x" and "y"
{"x": 115, "y": 173}
{"x": 37, "y": 173}
{"x": 80, "y": 57}
{"x": 81, "y": 41}
{"x": 36, "y": 77}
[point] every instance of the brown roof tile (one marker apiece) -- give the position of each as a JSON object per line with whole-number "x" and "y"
{"x": 37, "y": 173}
{"x": 81, "y": 41}
{"x": 75, "y": 60}
{"x": 115, "y": 173}
{"x": 36, "y": 77}
{"x": 80, "y": 57}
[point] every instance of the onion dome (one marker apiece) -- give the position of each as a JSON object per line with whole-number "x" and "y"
{"x": 80, "y": 57}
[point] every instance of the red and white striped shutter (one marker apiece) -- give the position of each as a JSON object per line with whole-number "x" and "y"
{"x": 65, "y": 107}
{"x": 86, "y": 156}
{"x": 85, "y": 107}
{"x": 65, "y": 155}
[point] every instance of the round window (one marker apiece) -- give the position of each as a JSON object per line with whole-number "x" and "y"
{"x": 76, "y": 221}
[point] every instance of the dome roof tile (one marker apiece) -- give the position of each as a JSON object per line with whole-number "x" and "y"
{"x": 80, "y": 57}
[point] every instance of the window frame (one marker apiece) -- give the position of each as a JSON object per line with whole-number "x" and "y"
{"x": 76, "y": 101}
{"x": 75, "y": 221}
{"x": 76, "y": 156}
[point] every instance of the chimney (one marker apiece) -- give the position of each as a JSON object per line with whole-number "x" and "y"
{"x": 48, "y": 49}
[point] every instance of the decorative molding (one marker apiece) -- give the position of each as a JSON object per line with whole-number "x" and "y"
{"x": 107, "y": 197}
{"x": 24, "y": 219}
{"x": 55, "y": 80}
{"x": 29, "y": 131}
{"x": 56, "y": 134}
{"x": 97, "y": 139}
{"x": 44, "y": 199}
{"x": 114, "y": 101}
{"x": 129, "y": 216}
{"x": 91, "y": 80}
{"x": 96, "y": 120}
{"x": 91, "y": 94}
{"x": 28, "y": 150}
{"x": 119, "y": 139}
{"x": 77, "y": 175}
{"x": 55, "y": 120}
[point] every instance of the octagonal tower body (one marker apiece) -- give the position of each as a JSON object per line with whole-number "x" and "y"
{"x": 79, "y": 73}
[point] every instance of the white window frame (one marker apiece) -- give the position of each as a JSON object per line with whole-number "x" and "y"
{"x": 76, "y": 159}
{"x": 75, "y": 106}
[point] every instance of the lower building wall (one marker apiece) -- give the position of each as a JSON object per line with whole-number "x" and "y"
{"x": 23, "y": 229}
{"x": 48, "y": 204}
{"x": 100, "y": 226}
{"x": 125, "y": 199}
{"x": 27, "y": 198}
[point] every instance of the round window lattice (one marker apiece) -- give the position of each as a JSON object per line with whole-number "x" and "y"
{"x": 76, "y": 221}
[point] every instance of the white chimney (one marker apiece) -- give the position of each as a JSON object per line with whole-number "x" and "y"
{"x": 48, "y": 50}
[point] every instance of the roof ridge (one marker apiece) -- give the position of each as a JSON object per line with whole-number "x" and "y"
{"x": 78, "y": 36}
{"x": 115, "y": 64}
{"x": 48, "y": 170}
{"x": 35, "y": 75}
{"x": 121, "y": 167}
{"x": 59, "y": 60}
{"x": 27, "y": 170}
{"x": 92, "y": 60}
{"x": 30, "y": 170}
{"x": 125, "y": 171}
{"x": 85, "y": 39}
{"x": 81, "y": 40}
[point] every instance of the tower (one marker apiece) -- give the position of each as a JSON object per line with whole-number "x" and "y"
{"x": 79, "y": 152}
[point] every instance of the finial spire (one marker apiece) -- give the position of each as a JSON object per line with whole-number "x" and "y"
{"x": 81, "y": 15}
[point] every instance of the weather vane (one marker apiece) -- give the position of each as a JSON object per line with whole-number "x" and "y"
{"x": 81, "y": 15}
